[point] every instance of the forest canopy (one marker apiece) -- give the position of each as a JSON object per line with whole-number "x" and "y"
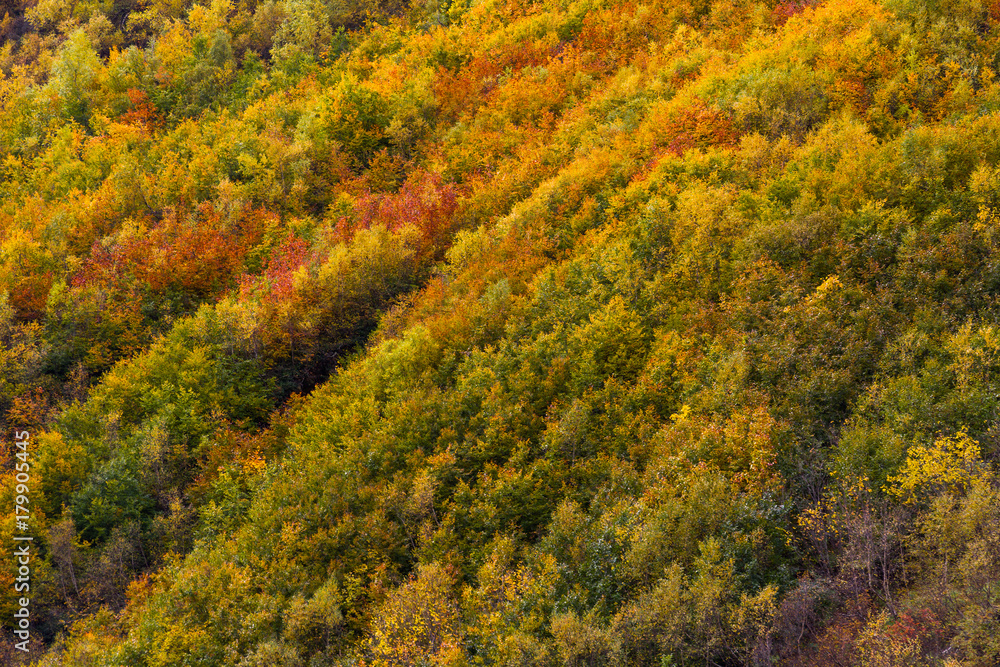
{"x": 483, "y": 332}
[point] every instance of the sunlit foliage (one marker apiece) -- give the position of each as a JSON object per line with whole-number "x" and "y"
{"x": 581, "y": 332}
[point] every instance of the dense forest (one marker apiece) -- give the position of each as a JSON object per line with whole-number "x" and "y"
{"x": 493, "y": 332}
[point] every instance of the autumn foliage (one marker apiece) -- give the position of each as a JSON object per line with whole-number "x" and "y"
{"x": 497, "y": 333}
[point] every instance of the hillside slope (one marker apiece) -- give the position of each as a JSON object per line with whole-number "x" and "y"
{"x": 572, "y": 333}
